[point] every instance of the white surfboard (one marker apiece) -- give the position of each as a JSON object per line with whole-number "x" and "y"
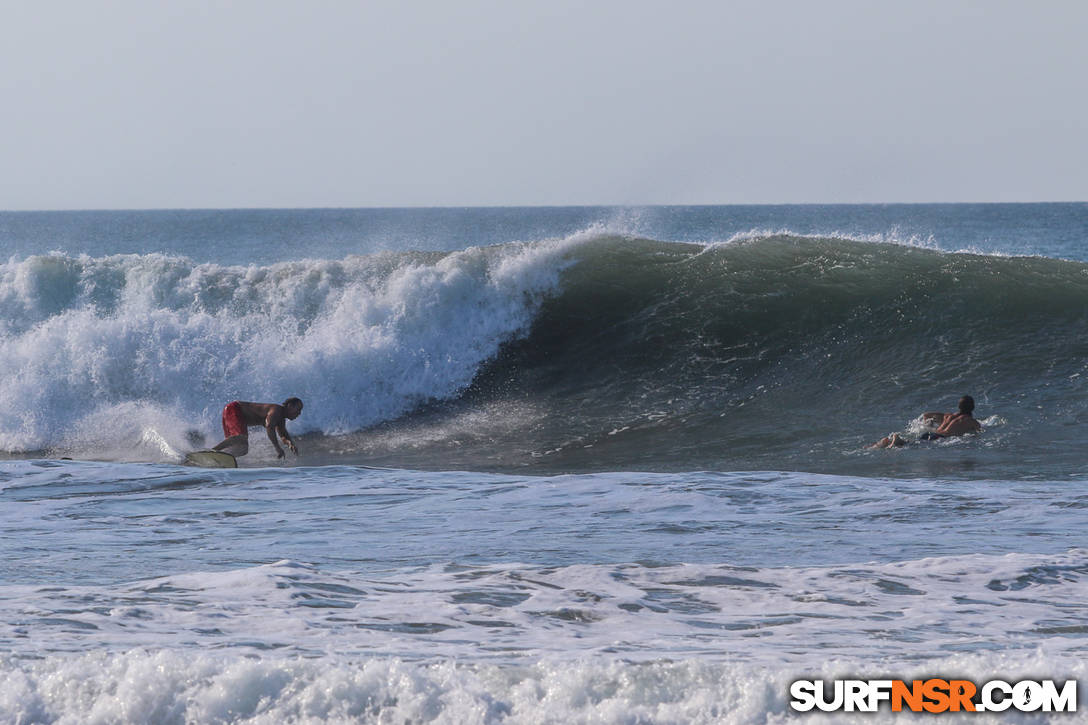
{"x": 211, "y": 459}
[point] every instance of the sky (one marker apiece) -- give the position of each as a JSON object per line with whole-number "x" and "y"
{"x": 135, "y": 105}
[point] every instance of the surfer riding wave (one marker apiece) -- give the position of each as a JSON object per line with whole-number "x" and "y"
{"x": 239, "y": 416}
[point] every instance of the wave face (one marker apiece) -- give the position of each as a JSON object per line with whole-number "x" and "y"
{"x": 596, "y": 351}
{"x": 769, "y": 348}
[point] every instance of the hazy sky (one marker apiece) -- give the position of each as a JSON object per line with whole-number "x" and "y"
{"x": 302, "y": 104}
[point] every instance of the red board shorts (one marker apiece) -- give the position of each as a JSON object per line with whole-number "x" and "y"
{"x": 234, "y": 423}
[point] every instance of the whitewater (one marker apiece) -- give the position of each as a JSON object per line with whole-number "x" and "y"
{"x": 556, "y": 465}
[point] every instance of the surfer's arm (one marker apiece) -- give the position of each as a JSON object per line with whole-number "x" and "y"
{"x": 282, "y": 429}
{"x": 274, "y": 424}
{"x": 272, "y": 437}
{"x": 959, "y": 426}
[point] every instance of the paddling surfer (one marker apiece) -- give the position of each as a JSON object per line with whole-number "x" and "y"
{"x": 949, "y": 425}
{"x": 239, "y": 417}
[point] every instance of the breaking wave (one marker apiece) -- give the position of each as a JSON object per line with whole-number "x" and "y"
{"x": 560, "y": 343}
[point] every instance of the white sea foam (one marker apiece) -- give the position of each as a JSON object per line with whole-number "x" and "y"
{"x": 165, "y": 687}
{"x": 893, "y": 236}
{"x": 900, "y": 611}
{"x": 129, "y": 350}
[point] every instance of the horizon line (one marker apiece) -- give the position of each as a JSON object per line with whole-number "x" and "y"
{"x": 425, "y": 207}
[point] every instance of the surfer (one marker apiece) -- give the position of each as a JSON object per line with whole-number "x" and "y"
{"x": 238, "y": 417}
{"x": 948, "y": 425}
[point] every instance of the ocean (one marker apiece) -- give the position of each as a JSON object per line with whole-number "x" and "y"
{"x": 556, "y": 465}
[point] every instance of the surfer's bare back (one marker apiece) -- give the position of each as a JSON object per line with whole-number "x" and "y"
{"x": 239, "y": 417}
{"x": 949, "y": 425}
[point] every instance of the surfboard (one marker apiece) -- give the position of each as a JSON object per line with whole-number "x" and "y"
{"x": 211, "y": 459}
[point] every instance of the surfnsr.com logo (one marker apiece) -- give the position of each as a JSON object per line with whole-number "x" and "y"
{"x": 933, "y": 695}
